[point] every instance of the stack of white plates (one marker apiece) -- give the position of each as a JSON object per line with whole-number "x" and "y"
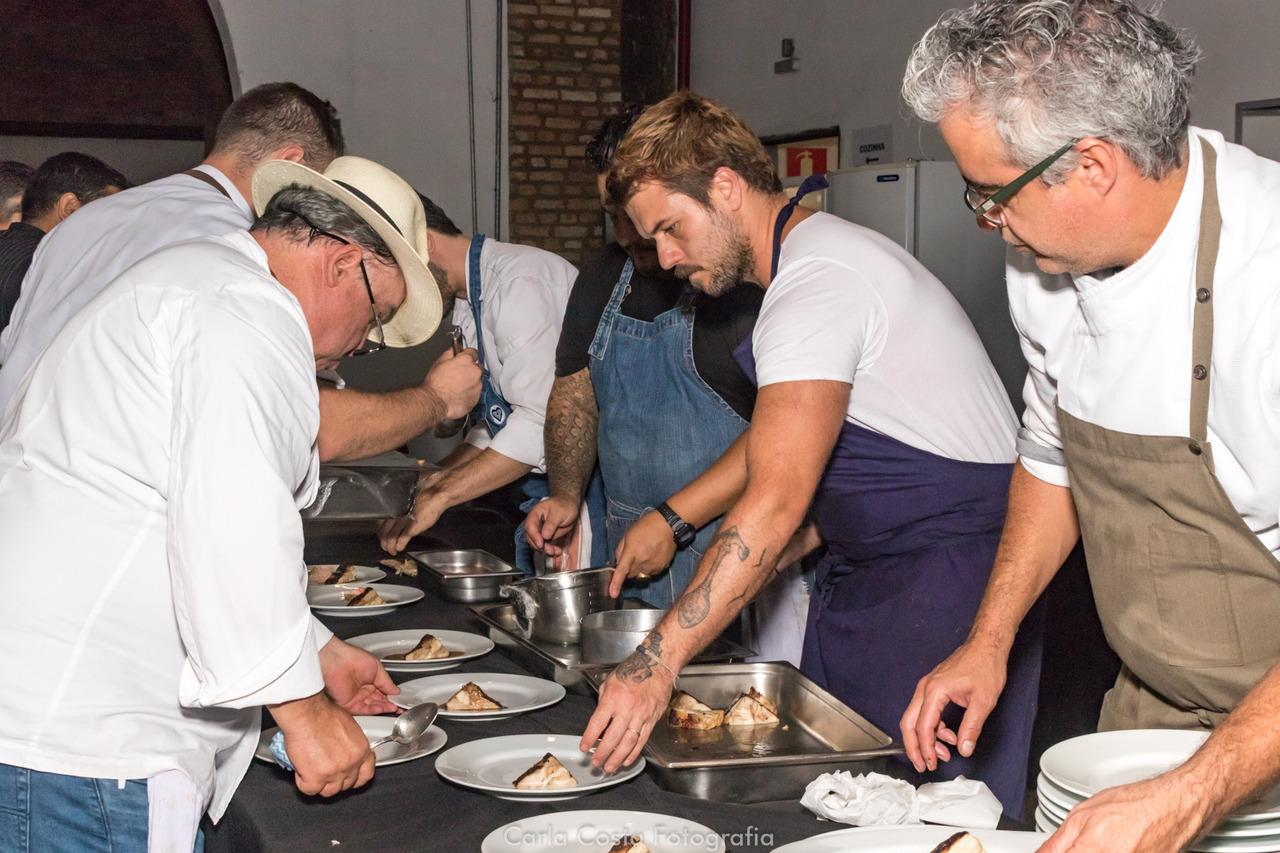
{"x": 1076, "y": 769}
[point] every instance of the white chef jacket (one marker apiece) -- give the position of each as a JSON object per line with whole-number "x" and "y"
{"x": 850, "y": 305}
{"x": 1116, "y": 350}
{"x": 523, "y": 292}
{"x": 85, "y": 252}
{"x": 152, "y": 469}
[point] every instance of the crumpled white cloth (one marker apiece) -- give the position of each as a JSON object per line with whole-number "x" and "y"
{"x": 873, "y": 799}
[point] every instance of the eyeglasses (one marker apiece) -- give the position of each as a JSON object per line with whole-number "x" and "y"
{"x": 368, "y": 348}
{"x": 982, "y": 205}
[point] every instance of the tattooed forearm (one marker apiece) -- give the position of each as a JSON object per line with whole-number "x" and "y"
{"x": 634, "y": 667}
{"x": 569, "y": 434}
{"x": 654, "y": 643}
{"x": 695, "y": 604}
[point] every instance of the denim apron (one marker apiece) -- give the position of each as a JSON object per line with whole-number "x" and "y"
{"x": 1187, "y": 593}
{"x": 660, "y": 426}
{"x": 911, "y": 538}
{"x": 492, "y": 407}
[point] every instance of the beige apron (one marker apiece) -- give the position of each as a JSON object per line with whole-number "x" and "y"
{"x": 1187, "y": 593}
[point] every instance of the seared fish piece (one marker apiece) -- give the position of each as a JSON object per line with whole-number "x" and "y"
{"x": 752, "y": 709}
{"x": 961, "y": 842}
{"x": 547, "y": 773}
{"x": 472, "y": 698}
{"x": 401, "y": 565}
{"x": 685, "y": 712}
{"x": 365, "y": 596}
{"x": 326, "y": 575}
{"x": 428, "y": 648}
{"x": 630, "y": 844}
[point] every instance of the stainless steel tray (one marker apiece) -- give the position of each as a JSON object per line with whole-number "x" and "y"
{"x": 564, "y": 663}
{"x": 367, "y": 489}
{"x": 465, "y": 576}
{"x": 817, "y": 734}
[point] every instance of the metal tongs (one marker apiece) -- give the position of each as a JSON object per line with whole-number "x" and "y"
{"x": 449, "y": 428}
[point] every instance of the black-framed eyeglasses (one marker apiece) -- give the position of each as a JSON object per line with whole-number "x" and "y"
{"x": 368, "y": 348}
{"x": 982, "y": 205}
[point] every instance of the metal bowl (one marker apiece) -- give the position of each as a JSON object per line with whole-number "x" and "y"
{"x": 550, "y": 607}
{"x": 611, "y": 635}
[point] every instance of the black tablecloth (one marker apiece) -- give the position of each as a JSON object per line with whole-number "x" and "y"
{"x": 407, "y": 807}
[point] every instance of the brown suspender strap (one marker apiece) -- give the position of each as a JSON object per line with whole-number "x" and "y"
{"x": 1202, "y": 326}
{"x": 201, "y": 176}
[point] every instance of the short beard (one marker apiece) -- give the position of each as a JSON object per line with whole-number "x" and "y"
{"x": 447, "y": 299}
{"x": 731, "y": 263}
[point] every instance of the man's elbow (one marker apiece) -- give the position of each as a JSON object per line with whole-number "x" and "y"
{"x": 333, "y": 444}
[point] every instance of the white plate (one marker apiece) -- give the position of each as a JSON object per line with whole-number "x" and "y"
{"x": 911, "y": 839}
{"x": 1219, "y": 844}
{"x": 464, "y": 645}
{"x": 1051, "y": 809}
{"x": 328, "y": 601}
{"x": 492, "y": 765}
{"x": 1085, "y": 765}
{"x": 1060, "y": 797}
{"x": 1044, "y": 823}
{"x": 595, "y": 831}
{"x": 518, "y": 694}
{"x": 364, "y": 574}
{"x": 374, "y": 728}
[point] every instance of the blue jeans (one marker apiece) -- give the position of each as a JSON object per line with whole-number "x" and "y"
{"x": 50, "y": 813}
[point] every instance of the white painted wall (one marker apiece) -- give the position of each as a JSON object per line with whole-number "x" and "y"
{"x": 852, "y": 54}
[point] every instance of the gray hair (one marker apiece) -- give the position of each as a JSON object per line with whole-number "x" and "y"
{"x": 1047, "y": 71}
{"x": 290, "y": 205}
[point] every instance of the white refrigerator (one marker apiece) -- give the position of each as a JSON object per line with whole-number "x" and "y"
{"x": 921, "y": 206}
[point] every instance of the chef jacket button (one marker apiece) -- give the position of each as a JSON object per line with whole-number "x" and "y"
{"x": 1202, "y": 295}
{"x": 1195, "y": 448}
{"x": 1199, "y": 371}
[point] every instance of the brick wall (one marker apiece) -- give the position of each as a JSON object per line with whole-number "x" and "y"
{"x": 564, "y": 80}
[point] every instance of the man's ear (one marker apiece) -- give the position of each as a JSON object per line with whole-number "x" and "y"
{"x": 66, "y": 205}
{"x": 727, "y": 187}
{"x": 342, "y": 261}
{"x": 290, "y": 152}
{"x": 1100, "y": 164}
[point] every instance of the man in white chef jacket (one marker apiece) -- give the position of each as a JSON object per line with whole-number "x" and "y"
{"x": 1142, "y": 278}
{"x": 508, "y": 300}
{"x": 166, "y": 441}
{"x": 274, "y": 121}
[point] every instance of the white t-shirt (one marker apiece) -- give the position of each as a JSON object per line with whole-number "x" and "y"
{"x": 850, "y": 305}
{"x": 152, "y": 468}
{"x": 523, "y": 292}
{"x": 1116, "y": 351}
{"x": 85, "y": 252}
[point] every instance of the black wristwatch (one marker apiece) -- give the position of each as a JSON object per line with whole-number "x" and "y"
{"x": 682, "y": 530}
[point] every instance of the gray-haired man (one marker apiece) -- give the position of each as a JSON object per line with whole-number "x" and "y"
{"x": 1069, "y": 120}
{"x": 167, "y": 437}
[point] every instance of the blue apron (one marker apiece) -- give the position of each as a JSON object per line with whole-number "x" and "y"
{"x": 911, "y": 538}
{"x": 660, "y": 426}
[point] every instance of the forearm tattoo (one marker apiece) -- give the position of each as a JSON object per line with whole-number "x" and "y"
{"x": 695, "y": 604}
{"x": 569, "y": 434}
{"x": 634, "y": 667}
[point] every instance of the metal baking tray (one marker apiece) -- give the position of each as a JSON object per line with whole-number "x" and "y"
{"x": 817, "y": 734}
{"x": 367, "y": 489}
{"x": 563, "y": 663}
{"x": 465, "y": 576}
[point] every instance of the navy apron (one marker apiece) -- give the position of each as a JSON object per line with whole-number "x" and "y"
{"x": 493, "y": 409}
{"x": 660, "y": 426}
{"x": 911, "y": 538}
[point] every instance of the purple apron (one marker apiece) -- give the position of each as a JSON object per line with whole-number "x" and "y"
{"x": 911, "y": 538}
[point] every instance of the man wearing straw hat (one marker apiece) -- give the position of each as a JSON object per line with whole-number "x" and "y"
{"x": 166, "y": 440}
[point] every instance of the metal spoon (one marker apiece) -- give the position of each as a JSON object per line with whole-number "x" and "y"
{"x": 410, "y": 725}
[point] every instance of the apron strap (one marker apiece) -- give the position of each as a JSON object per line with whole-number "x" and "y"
{"x": 202, "y": 176}
{"x": 811, "y": 183}
{"x": 1202, "y": 326}
{"x": 473, "y": 289}
{"x": 604, "y": 328}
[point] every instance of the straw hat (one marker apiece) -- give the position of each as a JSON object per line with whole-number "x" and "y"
{"x": 391, "y": 207}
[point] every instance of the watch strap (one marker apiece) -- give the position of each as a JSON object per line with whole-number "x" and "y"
{"x": 682, "y": 530}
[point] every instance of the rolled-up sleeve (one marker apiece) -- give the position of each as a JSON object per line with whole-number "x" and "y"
{"x": 1039, "y": 440}
{"x": 526, "y": 327}
{"x": 245, "y": 420}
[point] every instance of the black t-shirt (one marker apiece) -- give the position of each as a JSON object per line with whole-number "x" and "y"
{"x": 720, "y": 323}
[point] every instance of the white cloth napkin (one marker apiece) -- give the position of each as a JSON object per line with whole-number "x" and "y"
{"x": 873, "y": 799}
